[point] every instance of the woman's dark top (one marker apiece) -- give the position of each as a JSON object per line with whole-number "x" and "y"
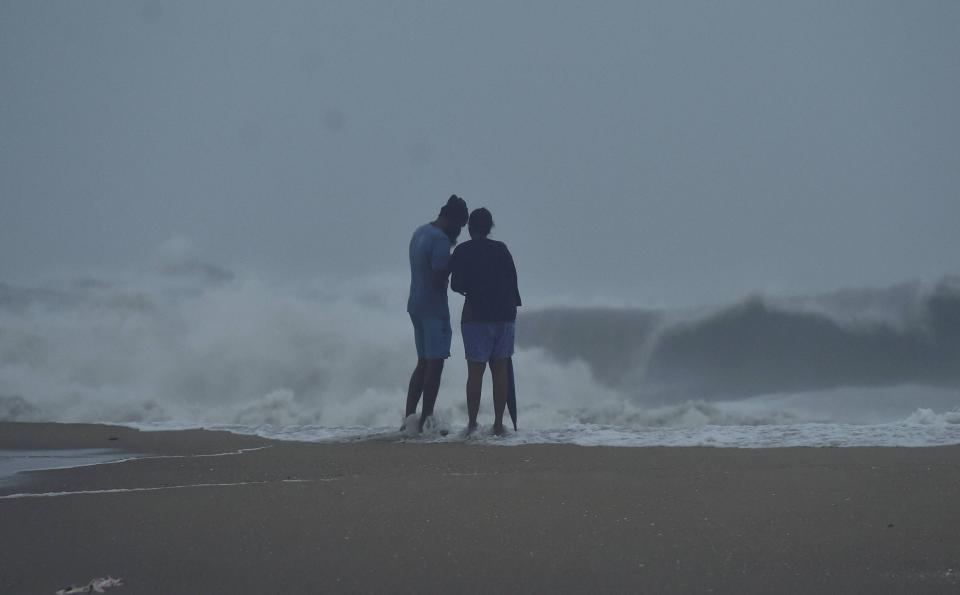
{"x": 482, "y": 269}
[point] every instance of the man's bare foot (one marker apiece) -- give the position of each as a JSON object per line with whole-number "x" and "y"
{"x": 472, "y": 427}
{"x": 424, "y": 421}
{"x": 499, "y": 430}
{"x": 409, "y": 422}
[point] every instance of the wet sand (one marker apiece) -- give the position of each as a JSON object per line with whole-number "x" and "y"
{"x": 208, "y": 516}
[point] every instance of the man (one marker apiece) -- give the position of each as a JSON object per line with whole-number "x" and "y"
{"x": 483, "y": 270}
{"x": 427, "y": 304}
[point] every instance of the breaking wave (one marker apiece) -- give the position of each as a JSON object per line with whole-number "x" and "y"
{"x": 192, "y": 343}
{"x": 907, "y": 334}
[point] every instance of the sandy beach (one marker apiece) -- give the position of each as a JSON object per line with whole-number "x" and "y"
{"x": 211, "y": 512}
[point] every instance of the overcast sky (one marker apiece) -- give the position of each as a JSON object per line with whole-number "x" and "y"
{"x": 648, "y": 152}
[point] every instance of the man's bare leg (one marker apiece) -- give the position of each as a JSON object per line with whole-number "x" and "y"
{"x": 415, "y": 389}
{"x": 431, "y": 386}
{"x": 501, "y": 384}
{"x": 475, "y": 372}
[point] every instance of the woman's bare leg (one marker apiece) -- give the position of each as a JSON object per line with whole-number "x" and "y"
{"x": 475, "y": 372}
{"x": 501, "y": 384}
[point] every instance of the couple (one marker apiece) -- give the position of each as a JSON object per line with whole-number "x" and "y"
{"x": 482, "y": 270}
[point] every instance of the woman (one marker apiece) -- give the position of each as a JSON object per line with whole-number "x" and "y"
{"x": 482, "y": 270}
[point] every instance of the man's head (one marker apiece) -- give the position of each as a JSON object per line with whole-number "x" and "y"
{"x": 481, "y": 222}
{"x": 453, "y": 216}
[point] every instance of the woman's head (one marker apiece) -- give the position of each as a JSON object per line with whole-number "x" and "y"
{"x": 480, "y": 223}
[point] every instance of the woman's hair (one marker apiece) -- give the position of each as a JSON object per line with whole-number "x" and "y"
{"x": 481, "y": 222}
{"x": 455, "y": 211}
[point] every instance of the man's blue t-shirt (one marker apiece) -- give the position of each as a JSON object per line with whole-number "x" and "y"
{"x": 429, "y": 252}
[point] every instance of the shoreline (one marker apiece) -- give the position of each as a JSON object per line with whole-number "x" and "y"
{"x": 215, "y": 512}
{"x": 930, "y": 430}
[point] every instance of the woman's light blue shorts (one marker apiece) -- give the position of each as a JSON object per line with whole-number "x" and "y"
{"x": 485, "y": 341}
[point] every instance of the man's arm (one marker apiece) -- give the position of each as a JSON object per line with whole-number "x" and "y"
{"x": 440, "y": 262}
{"x": 440, "y": 280}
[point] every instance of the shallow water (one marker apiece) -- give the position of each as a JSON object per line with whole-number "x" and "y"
{"x": 13, "y": 462}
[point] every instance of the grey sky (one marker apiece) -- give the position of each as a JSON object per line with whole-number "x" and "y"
{"x": 674, "y": 151}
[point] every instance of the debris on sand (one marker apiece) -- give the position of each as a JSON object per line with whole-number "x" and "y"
{"x": 97, "y": 585}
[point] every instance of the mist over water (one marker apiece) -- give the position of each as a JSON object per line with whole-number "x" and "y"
{"x": 190, "y": 343}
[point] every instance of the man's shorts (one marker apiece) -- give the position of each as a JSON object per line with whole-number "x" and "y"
{"x": 432, "y": 335}
{"x": 485, "y": 341}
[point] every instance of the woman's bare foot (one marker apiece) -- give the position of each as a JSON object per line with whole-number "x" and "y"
{"x": 499, "y": 430}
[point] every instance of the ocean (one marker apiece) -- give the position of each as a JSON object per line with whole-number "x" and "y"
{"x": 193, "y": 345}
